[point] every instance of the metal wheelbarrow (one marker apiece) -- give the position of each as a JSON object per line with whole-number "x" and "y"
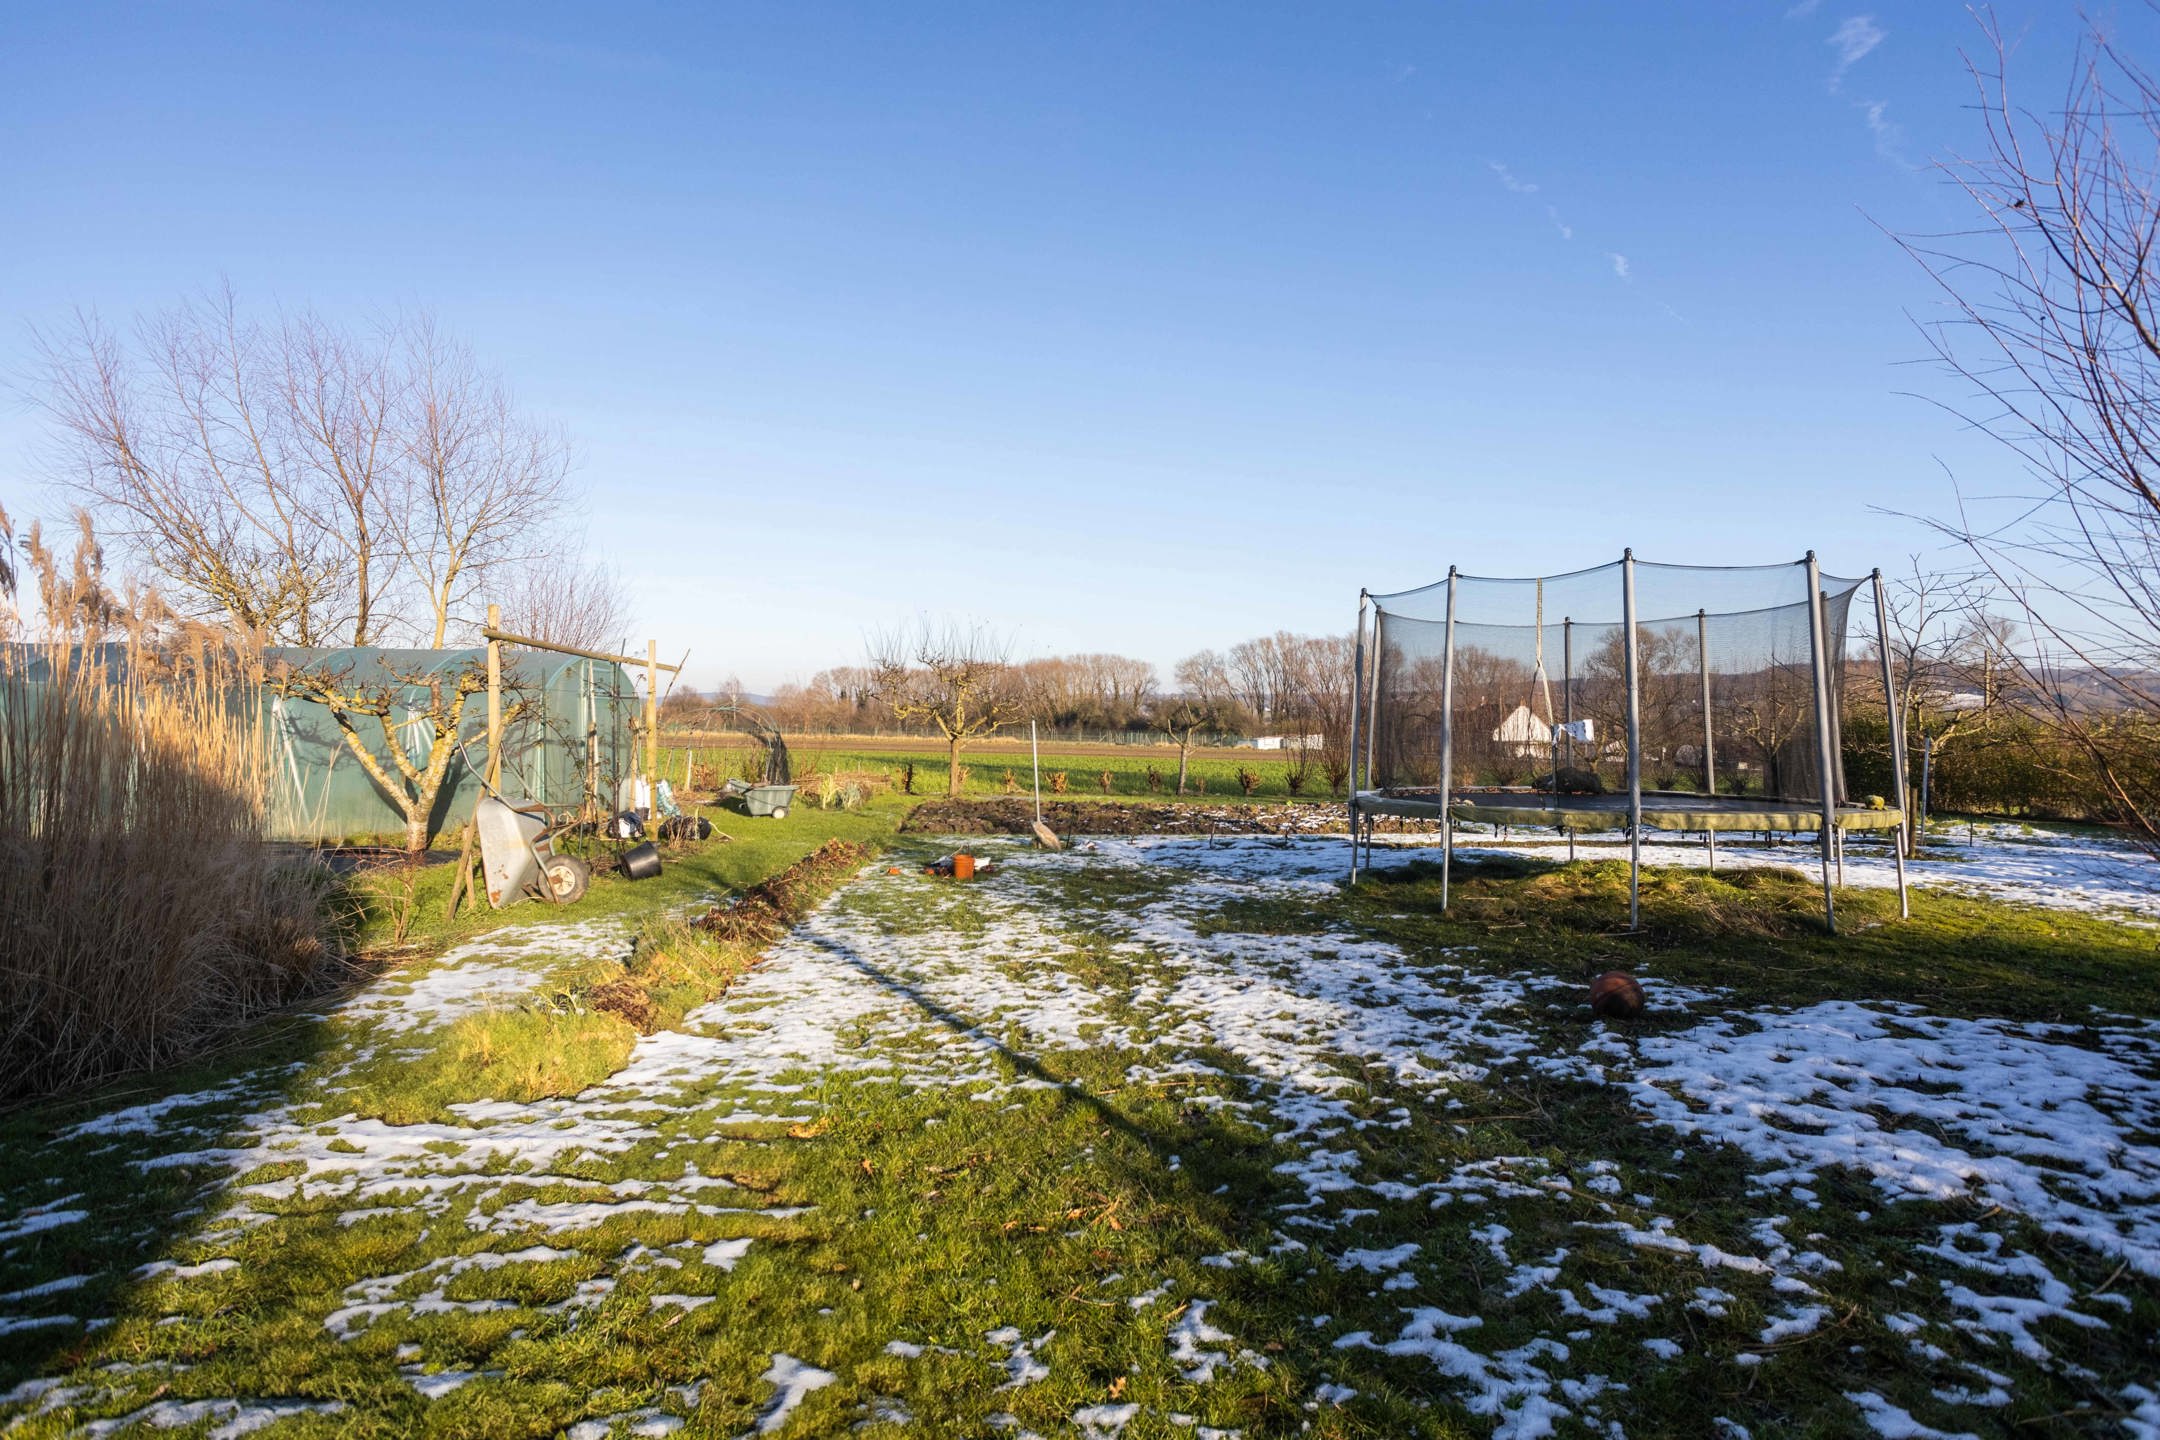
{"x": 518, "y": 859}
{"x": 770, "y": 800}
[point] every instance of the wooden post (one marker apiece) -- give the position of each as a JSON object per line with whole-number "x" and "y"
{"x": 494, "y": 713}
{"x": 652, "y": 727}
{"x": 592, "y": 746}
{"x": 462, "y": 885}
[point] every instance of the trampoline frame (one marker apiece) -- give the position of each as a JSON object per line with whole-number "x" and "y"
{"x": 1675, "y": 811}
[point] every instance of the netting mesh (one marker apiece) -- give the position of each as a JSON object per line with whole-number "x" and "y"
{"x": 1540, "y": 681}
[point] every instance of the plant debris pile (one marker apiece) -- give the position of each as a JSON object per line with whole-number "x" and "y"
{"x": 1017, "y": 817}
{"x": 770, "y": 908}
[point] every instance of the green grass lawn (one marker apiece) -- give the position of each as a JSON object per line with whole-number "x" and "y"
{"x": 1128, "y": 1142}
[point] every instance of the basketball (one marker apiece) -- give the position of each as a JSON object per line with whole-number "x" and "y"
{"x": 1616, "y": 996}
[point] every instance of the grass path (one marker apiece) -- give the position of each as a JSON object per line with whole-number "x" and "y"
{"x": 1164, "y": 1138}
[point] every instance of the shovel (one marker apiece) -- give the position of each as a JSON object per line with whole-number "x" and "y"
{"x": 1044, "y": 835}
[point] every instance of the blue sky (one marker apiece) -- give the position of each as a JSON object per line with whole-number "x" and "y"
{"x": 1125, "y": 327}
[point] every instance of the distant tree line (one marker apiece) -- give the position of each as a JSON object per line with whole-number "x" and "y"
{"x": 1274, "y": 684}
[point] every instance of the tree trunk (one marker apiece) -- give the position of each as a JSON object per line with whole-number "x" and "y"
{"x": 955, "y": 777}
{"x": 1183, "y": 750}
{"x": 416, "y": 831}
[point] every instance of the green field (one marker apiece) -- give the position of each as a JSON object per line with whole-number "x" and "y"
{"x": 1211, "y": 775}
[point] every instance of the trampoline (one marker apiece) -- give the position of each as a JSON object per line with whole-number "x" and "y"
{"x": 1546, "y": 701}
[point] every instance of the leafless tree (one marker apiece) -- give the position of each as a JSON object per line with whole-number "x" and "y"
{"x": 2054, "y": 321}
{"x": 416, "y": 709}
{"x": 301, "y": 481}
{"x": 178, "y": 444}
{"x": 484, "y": 484}
{"x": 1950, "y": 655}
{"x": 1200, "y": 704}
{"x": 956, "y": 678}
{"x": 564, "y": 598}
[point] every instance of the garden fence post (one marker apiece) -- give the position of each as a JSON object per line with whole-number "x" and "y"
{"x": 494, "y": 703}
{"x": 652, "y": 729}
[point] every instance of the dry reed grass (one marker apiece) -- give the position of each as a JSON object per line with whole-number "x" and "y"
{"x": 141, "y": 911}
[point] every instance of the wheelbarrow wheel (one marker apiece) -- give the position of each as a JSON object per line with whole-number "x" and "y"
{"x": 779, "y": 812}
{"x": 568, "y": 877}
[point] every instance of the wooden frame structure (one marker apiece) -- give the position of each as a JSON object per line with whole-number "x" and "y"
{"x": 497, "y": 637}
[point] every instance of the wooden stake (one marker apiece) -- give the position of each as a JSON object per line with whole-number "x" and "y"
{"x": 494, "y": 713}
{"x": 461, "y": 885}
{"x": 652, "y": 727}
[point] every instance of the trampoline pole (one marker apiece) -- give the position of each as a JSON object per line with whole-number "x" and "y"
{"x": 1824, "y": 760}
{"x": 1709, "y": 744}
{"x": 1372, "y": 723}
{"x": 1628, "y": 644}
{"x": 1896, "y": 723}
{"x": 1567, "y": 703}
{"x": 1357, "y": 685}
{"x": 1447, "y": 748}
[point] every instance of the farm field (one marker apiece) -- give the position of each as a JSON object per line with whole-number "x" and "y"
{"x": 1213, "y": 772}
{"x": 1158, "y": 1137}
{"x": 1005, "y": 744}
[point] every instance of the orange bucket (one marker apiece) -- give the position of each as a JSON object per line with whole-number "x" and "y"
{"x": 963, "y": 867}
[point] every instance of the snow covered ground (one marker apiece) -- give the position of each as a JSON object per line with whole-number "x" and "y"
{"x": 2022, "y": 1143}
{"x": 2023, "y": 864}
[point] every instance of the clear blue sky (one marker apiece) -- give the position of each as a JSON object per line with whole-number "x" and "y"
{"x": 1132, "y": 327}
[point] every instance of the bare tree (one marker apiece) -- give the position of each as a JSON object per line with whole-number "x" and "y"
{"x": 299, "y": 481}
{"x": 956, "y": 678}
{"x": 1198, "y": 706}
{"x": 339, "y": 397}
{"x": 179, "y": 446}
{"x": 483, "y": 483}
{"x": 564, "y": 598}
{"x": 2054, "y": 320}
{"x": 412, "y": 710}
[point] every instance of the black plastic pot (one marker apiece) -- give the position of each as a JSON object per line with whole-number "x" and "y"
{"x": 640, "y": 862}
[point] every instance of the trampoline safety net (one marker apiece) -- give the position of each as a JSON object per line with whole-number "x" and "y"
{"x": 1540, "y": 682}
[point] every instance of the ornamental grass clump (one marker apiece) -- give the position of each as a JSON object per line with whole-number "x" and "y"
{"x": 142, "y": 910}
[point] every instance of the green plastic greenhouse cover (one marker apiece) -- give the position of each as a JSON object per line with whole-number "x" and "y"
{"x": 321, "y": 793}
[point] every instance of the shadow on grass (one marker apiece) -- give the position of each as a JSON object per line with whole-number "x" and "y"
{"x": 84, "y": 1157}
